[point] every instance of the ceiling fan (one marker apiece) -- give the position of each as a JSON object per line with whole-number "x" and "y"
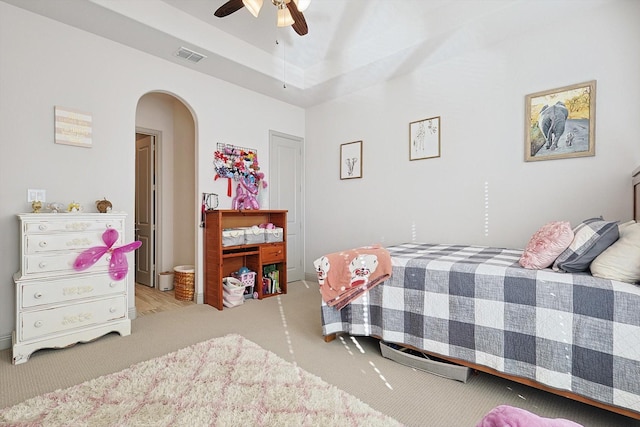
{"x": 289, "y": 12}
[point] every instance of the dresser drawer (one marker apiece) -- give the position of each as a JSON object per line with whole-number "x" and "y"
{"x": 71, "y": 224}
{"x": 272, "y": 253}
{"x": 58, "y": 264}
{"x": 40, "y": 243}
{"x": 50, "y": 321}
{"x": 69, "y": 289}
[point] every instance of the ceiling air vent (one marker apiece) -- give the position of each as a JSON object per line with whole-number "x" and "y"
{"x": 189, "y": 55}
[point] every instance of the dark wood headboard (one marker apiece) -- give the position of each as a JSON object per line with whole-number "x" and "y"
{"x": 636, "y": 194}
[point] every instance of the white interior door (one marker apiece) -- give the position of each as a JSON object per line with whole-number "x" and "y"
{"x": 144, "y": 215}
{"x": 285, "y": 192}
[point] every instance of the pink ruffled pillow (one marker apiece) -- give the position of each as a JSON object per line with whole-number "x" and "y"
{"x": 546, "y": 244}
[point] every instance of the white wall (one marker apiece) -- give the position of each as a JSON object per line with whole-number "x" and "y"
{"x": 184, "y": 211}
{"x": 478, "y": 88}
{"x": 45, "y": 63}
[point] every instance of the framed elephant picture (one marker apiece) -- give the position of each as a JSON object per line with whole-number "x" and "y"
{"x": 560, "y": 123}
{"x": 351, "y": 160}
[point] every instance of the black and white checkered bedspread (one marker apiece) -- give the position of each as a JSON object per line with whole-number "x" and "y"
{"x": 568, "y": 331}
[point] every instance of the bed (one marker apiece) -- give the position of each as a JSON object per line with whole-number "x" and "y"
{"x": 572, "y": 334}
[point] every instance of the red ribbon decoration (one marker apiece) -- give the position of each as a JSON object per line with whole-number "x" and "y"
{"x": 228, "y": 184}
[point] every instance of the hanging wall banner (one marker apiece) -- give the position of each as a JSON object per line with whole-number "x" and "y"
{"x": 72, "y": 127}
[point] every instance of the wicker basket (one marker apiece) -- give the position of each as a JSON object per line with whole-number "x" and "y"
{"x": 183, "y": 282}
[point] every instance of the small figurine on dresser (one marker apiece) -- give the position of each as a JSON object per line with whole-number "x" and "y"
{"x": 74, "y": 207}
{"x": 36, "y": 205}
{"x": 55, "y": 207}
{"x": 103, "y": 205}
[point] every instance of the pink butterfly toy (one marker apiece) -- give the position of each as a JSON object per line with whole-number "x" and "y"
{"x": 118, "y": 266}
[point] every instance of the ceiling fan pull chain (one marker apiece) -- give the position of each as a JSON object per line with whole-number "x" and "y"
{"x": 284, "y": 67}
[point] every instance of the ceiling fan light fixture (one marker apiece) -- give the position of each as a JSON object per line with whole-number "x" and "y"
{"x": 253, "y": 6}
{"x": 288, "y": 13}
{"x": 284, "y": 17}
{"x": 302, "y": 4}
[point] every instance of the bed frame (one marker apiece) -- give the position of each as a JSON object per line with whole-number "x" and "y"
{"x": 520, "y": 380}
{"x": 616, "y": 409}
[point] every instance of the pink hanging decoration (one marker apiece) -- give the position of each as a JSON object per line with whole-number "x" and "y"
{"x": 246, "y": 193}
{"x": 118, "y": 266}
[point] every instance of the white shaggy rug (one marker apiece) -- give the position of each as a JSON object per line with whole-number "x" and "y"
{"x": 228, "y": 381}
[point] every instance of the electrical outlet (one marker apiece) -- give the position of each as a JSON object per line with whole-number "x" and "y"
{"x": 39, "y": 195}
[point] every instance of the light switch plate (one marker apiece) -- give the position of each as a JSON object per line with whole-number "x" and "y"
{"x": 39, "y": 195}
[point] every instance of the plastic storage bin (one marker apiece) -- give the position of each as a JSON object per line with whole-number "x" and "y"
{"x": 436, "y": 367}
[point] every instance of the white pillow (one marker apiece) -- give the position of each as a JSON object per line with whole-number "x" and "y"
{"x": 621, "y": 261}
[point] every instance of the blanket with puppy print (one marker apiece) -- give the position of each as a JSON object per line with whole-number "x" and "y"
{"x": 344, "y": 276}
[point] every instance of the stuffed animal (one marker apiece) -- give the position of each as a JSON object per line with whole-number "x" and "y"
{"x": 246, "y": 193}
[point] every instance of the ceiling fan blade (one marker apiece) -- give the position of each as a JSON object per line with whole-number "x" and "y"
{"x": 228, "y": 8}
{"x": 300, "y": 24}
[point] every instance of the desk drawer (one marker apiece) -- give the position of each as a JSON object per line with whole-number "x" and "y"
{"x": 272, "y": 253}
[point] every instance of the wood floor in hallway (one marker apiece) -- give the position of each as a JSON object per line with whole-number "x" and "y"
{"x": 151, "y": 300}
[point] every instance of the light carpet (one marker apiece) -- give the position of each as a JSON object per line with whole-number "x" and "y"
{"x": 228, "y": 381}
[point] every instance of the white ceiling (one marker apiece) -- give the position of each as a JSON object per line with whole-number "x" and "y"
{"x": 351, "y": 44}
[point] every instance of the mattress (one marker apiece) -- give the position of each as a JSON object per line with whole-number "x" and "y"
{"x": 569, "y": 331}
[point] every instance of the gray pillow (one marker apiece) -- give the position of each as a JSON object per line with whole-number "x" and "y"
{"x": 590, "y": 239}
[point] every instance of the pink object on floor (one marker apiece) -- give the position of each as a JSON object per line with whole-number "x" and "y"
{"x": 508, "y": 416}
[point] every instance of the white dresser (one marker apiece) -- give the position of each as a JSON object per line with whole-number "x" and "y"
{"x": 57, "y": 306}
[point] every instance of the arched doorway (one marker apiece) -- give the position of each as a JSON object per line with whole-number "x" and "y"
{"x": 165, "y": 189}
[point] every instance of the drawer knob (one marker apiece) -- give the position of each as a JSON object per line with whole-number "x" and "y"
{"x": 43, "y": 244}
{"x": 42, "y": 227}
{"x": 112, "y": 310}
{"x": 38, "y": 323}
{"x": 37, "y": 295}
{"x": 42, "y": 264}
{"x": 113, "y": 284}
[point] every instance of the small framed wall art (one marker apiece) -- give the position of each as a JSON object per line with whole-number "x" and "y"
{"x": 73, "y": 127}
{"x": 560, "y": 123}
{"x": 351, "y": 160}
{"x": 424, "y": 139}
